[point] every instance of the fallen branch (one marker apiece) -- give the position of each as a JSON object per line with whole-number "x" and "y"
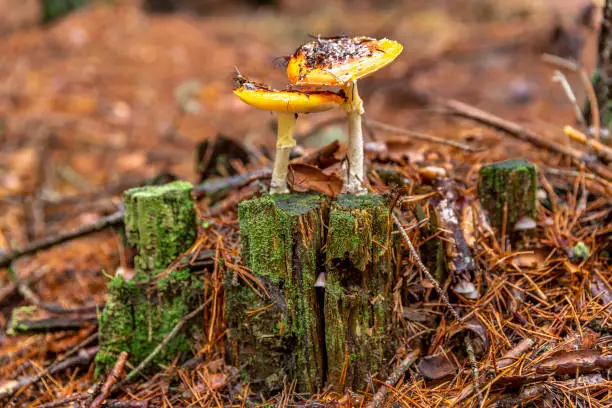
{"x": 29, "y": 295}
{"x": 112, "y": 379}
{"x": 111, "y": 220}
{"x": 211, "y": 187}
{"x": 516, "y": 130}
{"x": 51, "y": 324}
{"x": 421, "y": 136}
{"x": 394, "y": 378}
{"x": 84, "y": 357}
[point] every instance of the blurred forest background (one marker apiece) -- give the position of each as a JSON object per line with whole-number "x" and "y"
{"x": 100, "y": 96}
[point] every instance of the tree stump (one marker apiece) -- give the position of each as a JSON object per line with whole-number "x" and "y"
{"x": 279, "y": 323}
{"x": 358, "y": 292}
{"x": 507, "y": 191}
{"x": 139, "y": 313}
{"x": 276, "y": 332}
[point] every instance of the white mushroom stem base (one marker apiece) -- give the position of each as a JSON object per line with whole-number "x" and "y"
{"x": 354, "y": 167}
{"x": 284, "y": 144}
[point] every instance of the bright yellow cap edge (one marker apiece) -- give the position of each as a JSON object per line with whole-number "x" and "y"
{"x": 340, "y": 75}
{"x": 289, "y": 101}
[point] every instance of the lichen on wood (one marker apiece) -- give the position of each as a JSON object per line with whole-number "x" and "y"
{"x": 160, "y": 224}
{"x": 277, "y": 332}
{"x": 508, "y": 187}
{"x": 358, "y": 291}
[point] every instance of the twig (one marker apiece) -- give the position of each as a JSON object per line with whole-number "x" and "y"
{"x": 515, "y": 130}
{"x": 421, "y": 136}
{"x": 560, "y": 77}
{"x": 423, "y": 268}
{"x": 603, "y": 151}
{"x": 211, "y": 187}
{"x": 125, "y": 404}
{"x": 512, "y": 355}
{"x": 113, "y": 377}
{"x": 443, "y": 296}
{"x": 165, "y": 341}
{"x": 64, "y": 401}
{"x": 111, "y": 220}
{"x": 83, "y": 357}
{"x": 52, "y": 324}
{"x": 58, "y": 365}
{"x": 475, "y": 373}
{"x": 394, "y": 378}
{"x": 29, "y": 295}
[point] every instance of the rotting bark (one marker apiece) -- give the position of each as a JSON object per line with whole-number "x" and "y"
{"x": 160, "y": 223}
{"x": 507, "y": 191}
{"x": 337, "y": 334}
{"x": 279, "y": 333}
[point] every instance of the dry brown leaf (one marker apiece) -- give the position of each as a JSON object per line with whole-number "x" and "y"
{"x": 437, "y": 366}
{"x": 304, "y": 177}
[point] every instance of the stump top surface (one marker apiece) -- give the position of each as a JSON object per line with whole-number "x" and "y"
{"x": 294, "y": 204}
{"x": 360, "y": 201}
{"x": 176, "y": 187}
{"x": 511, "y": 165}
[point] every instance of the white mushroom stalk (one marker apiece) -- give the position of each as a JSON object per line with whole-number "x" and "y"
{"x": 284, "y": 145}
{"x": 354, "y": 160}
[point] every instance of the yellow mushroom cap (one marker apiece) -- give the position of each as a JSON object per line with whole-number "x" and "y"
{"x": 262, "y": 97}
{"x": 340, "y": 60}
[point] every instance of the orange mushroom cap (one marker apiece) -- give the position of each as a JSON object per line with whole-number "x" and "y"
{"x": 263, "y": 97}
{"x": 340, "y": 60}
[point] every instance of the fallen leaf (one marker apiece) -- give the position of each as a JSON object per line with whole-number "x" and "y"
{"x": 304, "y": 177}
{"x": 570, "y": 362}
{"x": 437, "y": 366}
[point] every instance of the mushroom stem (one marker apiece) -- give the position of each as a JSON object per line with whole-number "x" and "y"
{"x": 354, "y": 165}
{"x": 284, "y": 144}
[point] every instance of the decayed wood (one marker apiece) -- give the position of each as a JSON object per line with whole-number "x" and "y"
{"x": 317, "y": 305}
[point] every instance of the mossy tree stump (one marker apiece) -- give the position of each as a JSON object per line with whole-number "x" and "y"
{"x": 507, "y": 190}
{"x": 338, "y": 334}
{"x": 358, "y": 292}
{"x": 276, "y": 332}
{"x": 160, "y": 224}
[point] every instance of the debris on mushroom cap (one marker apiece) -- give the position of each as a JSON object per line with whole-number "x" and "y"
{"x": 263, "y": 97}
{"x": 340, "y": 60}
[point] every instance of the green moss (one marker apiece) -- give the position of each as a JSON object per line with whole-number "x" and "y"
{"x": 580, "y": 251}
{"x": 358, "y": 287}
{"x": 358, "y": 230}
{"x": 131, "y": 322}
{"x": 512, "y": 183}
{"x": 160, "y": 223}
{"x": 159, "y": 220}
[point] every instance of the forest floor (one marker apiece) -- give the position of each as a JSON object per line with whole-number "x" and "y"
{"x": 111, "y": 97}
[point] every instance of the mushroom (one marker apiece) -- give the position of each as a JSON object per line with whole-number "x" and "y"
{"x": 287, "y": 104}
{"x": 341, "y": 61}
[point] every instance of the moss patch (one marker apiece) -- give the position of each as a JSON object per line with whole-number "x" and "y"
{"x": 160, "y": 223}
{"x": 512, "y": 183}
